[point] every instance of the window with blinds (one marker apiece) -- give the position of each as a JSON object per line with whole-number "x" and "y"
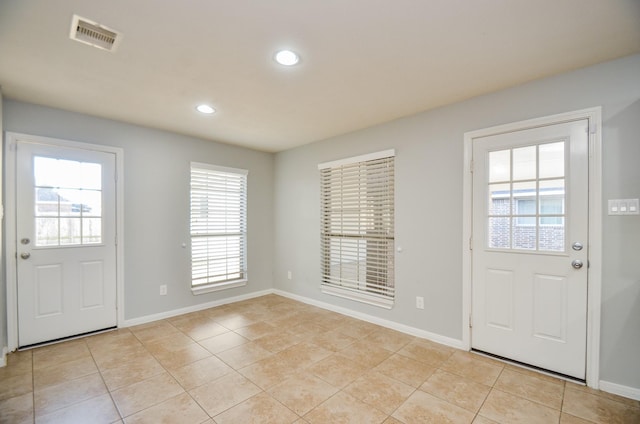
{"x": 218, "y": 227}
{"x": 357, "y": 228}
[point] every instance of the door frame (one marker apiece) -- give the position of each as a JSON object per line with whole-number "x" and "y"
{"x": 10, "y": 253}
{"x": 594, "y": 271}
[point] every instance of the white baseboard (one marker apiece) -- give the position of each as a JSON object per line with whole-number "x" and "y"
{"x": 620, "y": 390}
{"x": 3, "y": 357}
{"x": 168, "y": 314}
{"x": 375, "y": 320}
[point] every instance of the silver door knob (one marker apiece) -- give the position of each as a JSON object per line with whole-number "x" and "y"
{"x": 577, "y": 246}
{"x": 25, "y": 255}
{"x": 577, "y": 264}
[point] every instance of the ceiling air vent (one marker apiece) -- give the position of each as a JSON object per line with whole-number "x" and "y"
{"x": 94, "y": 34}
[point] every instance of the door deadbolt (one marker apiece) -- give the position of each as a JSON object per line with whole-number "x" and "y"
{"x": 577, "y": 246}
{"x": 25, "y": 241}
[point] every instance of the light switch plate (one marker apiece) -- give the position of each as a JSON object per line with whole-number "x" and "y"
{"x": 624, "y": 207}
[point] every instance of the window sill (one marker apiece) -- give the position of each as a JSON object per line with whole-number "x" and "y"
{"x": 208, "y": 288}
{"x": 367, "y": 298}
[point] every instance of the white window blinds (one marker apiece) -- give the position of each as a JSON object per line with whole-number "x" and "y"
{"x": 218, "y": 225}
{"x": 357, "y": 228}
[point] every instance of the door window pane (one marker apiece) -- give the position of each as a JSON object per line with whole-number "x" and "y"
{"x": 68, "y": 202}
{"x": 499, "y": 166}
{"x": 524, "y": 163}
{"x": 527, "y": 212}
{"x": 552, "y": 160}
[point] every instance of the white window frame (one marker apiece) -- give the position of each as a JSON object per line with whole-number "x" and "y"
{"x": 200, "y": 229}
{"x": 342, "y": 272}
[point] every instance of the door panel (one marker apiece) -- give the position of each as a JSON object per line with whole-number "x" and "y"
{"x": 65, "y": 226}
{"x": 530, "y": 203}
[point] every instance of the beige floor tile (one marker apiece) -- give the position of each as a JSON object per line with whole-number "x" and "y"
{"x": 570, "y": 419}
{"x": 56, "y": 374}
{"x": 478, "y": 370}
{"x": 131, "y": 372}
{"x": 427, "y": 352}
{"x": 179, "y": 409}
{"x": 598, "y": 409}
{"x": 277, "y": 342}
{"x": 52, "y": 398}
{"x": 621, "y": 399}
{"x": 380, "y": 391}
{"x": 183, "y": 356}
{"x": 234, "y": 321}
{"x": 111, "y": 340}
{"x": 306, "y": 330}
{"x": 222, "y": 342}
{"x": 456, "y": 390}
{"x": 389, "y": 339}
{"x": 344, "y": 409}
{"x": 391, "y": 420}
{"x": 260, "y": 409}
{"x": 18, "y": 410}
{"x": 422, "y": 407}
{"x": 356, "y": 328}
{"x": 243, "y": 355}
{"x": 16, "y": 385}
{"x": 302, "y": 355}
{"x": 268, "y": 372}
{"x": 18, "y": 363}
{"x": 405, "y": 369}
{"x": 57, "y": 354}
{"x": 333, "y": 340}
{"x": 482, "y": 420}
{"x": 546, "y": 392}
{"x": 224, "y": 393}
{"x": 256, "y": 330}
{"x": 153, "y": 330}
{"x": 97, "y": 410}
{"x": 169, "y": 343}
{"x": 112, "y": 358}
{"x": 200, "y": 372}
{"x": 302, "y": 392}
{"x": 368, "y": 354}
{"x": 337, "y": 370}
{"x": 147, "y": 393}
{"x": 200, "y": 328}
{"x": 505, "y": 408}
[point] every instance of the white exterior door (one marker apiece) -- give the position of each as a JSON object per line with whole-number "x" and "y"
{"x": 529, "y": 246}
{"x": 66, "y": 253}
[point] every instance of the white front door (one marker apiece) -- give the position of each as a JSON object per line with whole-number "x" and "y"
{"x": 530, "y": 238}
{"x": 66, "y": 254}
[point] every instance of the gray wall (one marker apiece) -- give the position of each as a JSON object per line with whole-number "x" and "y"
{"x": 429, "y": 161}
{"x": 156, "y": 202}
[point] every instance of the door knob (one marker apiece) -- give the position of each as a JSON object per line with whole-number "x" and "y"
{"x": 577, "y": 264}
{"x": 25, "y": 255}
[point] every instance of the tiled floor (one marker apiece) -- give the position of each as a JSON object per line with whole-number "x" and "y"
{"x": 274, "y": 360}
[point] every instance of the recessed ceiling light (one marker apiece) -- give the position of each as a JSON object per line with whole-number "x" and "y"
{"x": 287, "y": 57}
{"x": 205, "y": 109}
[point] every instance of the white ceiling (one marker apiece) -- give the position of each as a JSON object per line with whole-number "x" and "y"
{"x": 364, "y": 62}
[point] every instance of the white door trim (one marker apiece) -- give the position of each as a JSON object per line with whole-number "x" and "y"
{"x": 594, "y": 273}
{"x": 10, "y": 219}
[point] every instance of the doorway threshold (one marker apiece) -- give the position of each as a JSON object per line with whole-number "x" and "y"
{"x": 531, "y": 367}
{"x": 65, "y": 339}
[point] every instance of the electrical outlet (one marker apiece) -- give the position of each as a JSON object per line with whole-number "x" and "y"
{"x": 419, "y": 302}
{"x": 289, "y": 276}
{"x": 163, "y": 290}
